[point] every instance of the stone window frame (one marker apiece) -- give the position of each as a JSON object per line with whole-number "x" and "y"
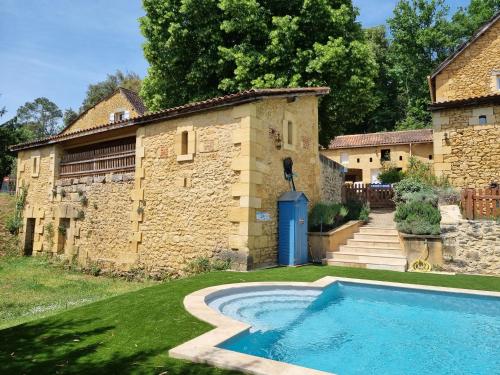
{"x": 35, "y": 166}
{"x": 289, "y": 118}
{"x": 185, "y": 143}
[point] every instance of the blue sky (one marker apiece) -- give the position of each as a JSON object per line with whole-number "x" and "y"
{"x": 55, "y": 48}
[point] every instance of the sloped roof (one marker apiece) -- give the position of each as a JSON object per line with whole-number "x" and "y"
{"x": 381, "y": 139}
{"x": 469, "y": 102}
{"x": 132, "y": 97}
{"x": 485, "y": 27}
{"x": 242, "y": 97}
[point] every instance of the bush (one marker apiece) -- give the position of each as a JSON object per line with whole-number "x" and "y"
{"x": 13, "y": 223}
{"x": 357, "y": 210}
{"x": 426, "y": 196}
{"x": 448, "y": 195}
{"x": 326, "y": 216}
{"x": 391, "y": 176}
{"x": 421, "y": 171}
{"x": 410, "y": 185}
{"x": 365, "y": 213}
{"x": 417, "y": 217}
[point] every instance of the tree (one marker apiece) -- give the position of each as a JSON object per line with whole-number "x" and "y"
{"x": 420, "y": 41}
{"x": 203, "y": 48}
{"x": 97, "y": 92}
{"x": 467, "y": 20}
{"x": 388, "y": 111}
{"x": 41, "y": 117}
{"x": 11, "y": 133}
{"x": 69, "y": 116}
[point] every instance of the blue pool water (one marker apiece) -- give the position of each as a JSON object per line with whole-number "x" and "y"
{"x": 350, "y": 329}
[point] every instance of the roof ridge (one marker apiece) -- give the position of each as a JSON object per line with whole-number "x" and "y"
{"x": 385, "y": 132}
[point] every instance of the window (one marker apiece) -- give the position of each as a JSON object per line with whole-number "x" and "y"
{"x": 344, "y": 158}
{"x": 371, "y": 159}
{"x": 35, "y": 166}
{"x": 119, "y": 116}
{"x": 357, "y": 160}
{"x": 483, "y": 120}
{"x": 401, "y": 158}
{"x": 430, "y": 157}
{"x": 184, "y": 145}
{"x": 290, "y": 133}
{"x": 385, "y": 155}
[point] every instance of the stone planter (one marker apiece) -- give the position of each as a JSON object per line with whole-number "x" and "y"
{"x": 414, "y": 247}
{"x": 321, "y": 243}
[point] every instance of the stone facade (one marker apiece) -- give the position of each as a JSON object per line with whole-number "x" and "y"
{"x": 474, "y": 72}
{"x": 217, "y": 194}
{"x": 364, "y": 162}
{"x": 466, "y": 113}
{"x": 332, "y": 180}
{"x": 470, "y": 246}
{"x": 466, "y": 153}
{"x": 100, "y": 114}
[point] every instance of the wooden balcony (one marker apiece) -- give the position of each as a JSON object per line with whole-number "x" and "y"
{"x": 99, "y": 159}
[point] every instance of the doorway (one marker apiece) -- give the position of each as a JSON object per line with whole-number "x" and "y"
{"x": 30, "y": 237}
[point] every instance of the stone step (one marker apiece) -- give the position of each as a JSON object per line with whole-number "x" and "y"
{"x": 382, "y": 244}
{"x": 387, "y": 267}
{"x": 376, "y": 237}
{"x": 378, "y": 230}
{"x": 370, "y": 250}
{"x": 393, "y": 260}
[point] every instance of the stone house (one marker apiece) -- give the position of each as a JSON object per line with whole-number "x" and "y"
{"x": 155, "y": 191}
{"x": 465, "y": 93}
{"x": 363, "y": 155}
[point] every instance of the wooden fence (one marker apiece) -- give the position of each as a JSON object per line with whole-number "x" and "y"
{"x": 481, "y": 204}
{"x": 377, "y": 196}
{"x": 115, "y": 156}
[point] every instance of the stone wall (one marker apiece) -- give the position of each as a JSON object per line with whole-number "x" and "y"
{"x": 474, "y": 71}
{"x": 469, "y": 246}
{"x": 99, "y": 115}
{"x": 467, "y": 153}
{"x": 332, "y": 180}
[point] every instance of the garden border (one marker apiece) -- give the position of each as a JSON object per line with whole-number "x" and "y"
{"x": 203, "y": 349}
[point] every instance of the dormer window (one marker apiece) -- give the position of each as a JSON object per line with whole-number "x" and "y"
{"x": 119, "y": 116}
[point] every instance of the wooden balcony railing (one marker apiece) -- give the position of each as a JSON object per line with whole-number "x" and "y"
{"x": 99, "y": 159}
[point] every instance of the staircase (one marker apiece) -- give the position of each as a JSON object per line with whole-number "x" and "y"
{"x": 375, "y": 246}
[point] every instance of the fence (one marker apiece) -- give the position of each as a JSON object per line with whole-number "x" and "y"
{"x": 376, "y": 195}
{"x": 116, "y": 156}
{"x": 481, "y": 204}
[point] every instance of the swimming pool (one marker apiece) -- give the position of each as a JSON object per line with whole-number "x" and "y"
{"x": 350, "y": 328}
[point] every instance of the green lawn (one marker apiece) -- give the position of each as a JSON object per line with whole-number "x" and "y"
{"x": 132, "y": 332}
{"x": 31, "y": 288}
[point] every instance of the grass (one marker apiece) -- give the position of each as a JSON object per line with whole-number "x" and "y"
{"x": 132, "y": 333}
{"x": 32, "y": 288}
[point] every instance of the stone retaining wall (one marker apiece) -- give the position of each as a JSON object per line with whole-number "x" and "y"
{"x": 469, "y": 246}
{"x": 332, "y": 179}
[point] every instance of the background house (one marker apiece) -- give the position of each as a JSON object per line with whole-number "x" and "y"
{"x": 364, "y": 154}
{"x": 465, "y": 92}
{"x": 158, "y": 191}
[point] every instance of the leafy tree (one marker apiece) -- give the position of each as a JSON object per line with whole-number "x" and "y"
{"x": 420, "y": 41}
{"x": 69, "y": 116}
{"x": 11, "y": 133}
{"x": 97, "y": 92}
{"x": 41, "y": 117}
{"x": 388, "y": 111}
{"x": 467, "y": 20}
{"x": 203, "y": 48}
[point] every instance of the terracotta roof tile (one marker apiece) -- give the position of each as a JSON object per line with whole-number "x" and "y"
{"x": 381, "y": 139}
{"x": 179, "y": 111}
{"x": 468, "y": 102}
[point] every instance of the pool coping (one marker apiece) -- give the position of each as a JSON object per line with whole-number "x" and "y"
{"x": 203, "y": 349}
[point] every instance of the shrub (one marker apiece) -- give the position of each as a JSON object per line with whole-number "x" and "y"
{"x": 357, "y": 210}
{"x": 417, "y": 217}
{"x": 448, "y": 195}
{"x": 365, "y": 213}
{"x": 13, "y": 223}
{"x": 409, "y": 185}
{"x": 427, "y": 196}
{"x": 326, "y": 215}
{"x": 391, "y": 176}
{"x": 421, "y": 171}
